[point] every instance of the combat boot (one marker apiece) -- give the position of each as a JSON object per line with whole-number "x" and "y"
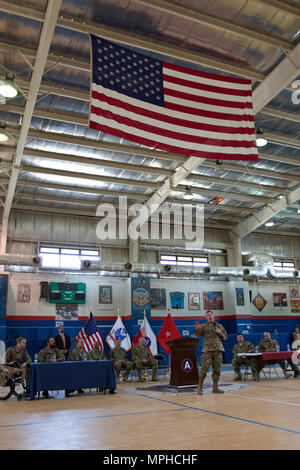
{"x": 140, "y": 378}
{"x": 125, "y": 379}
{"x": 238, "y": 376}
{"x": 216, "y": 389}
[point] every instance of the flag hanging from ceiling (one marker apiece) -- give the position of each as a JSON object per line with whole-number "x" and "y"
{"x": 168, "y": 333}
{"x": 90, "y": 334}
{"x": 169, "y": 107}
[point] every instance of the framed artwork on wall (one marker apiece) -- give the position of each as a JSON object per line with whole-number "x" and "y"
{"x": 294, "y": 292}
{"x": 213, "y": 300}
{"x": 23, "y": 294}
{"x": 279, "y": 299}
{"x": 194, "y": 301}
{"x": 105, "y": 294}
{"x": 240, "y": 299}
{"x": 158, "y": 299}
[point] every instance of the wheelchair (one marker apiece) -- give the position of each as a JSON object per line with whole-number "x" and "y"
{"x": 12, "y": 387}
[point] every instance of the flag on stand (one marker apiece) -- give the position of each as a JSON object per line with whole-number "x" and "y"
{"x": 90, "y": 334}
{"x": 169, "y": 107}
{"x": 118, "y": 331}
{"x": 150, "y": 338}
{"x": 168, "y": 333}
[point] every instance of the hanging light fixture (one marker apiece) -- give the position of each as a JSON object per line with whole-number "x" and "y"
{"x": 3, "y": 134}
{"x": 188, "y": 193}
{"x": 298, "y": 210}
{"x": 269, "y": 224}
{"x": 7, "y": 87}
{"x": 260, "y": 140}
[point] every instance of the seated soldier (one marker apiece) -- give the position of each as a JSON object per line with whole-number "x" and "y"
{"x": 271, "y": 345}
{"x": 17, "y": 356}
{"x": 296, "y": 343}
{"x": 96, "y": 354}
{"x": 141, "y": 357}
{"x": 50, "y": 354}
{"x": 78, "y": 354}
{"x": 237, "y": 361}
{"x": 119, "y": 357}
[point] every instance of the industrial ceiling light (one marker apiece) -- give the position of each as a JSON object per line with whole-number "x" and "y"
{"x": 188, "y": 193}
{"x": 8, "y": 88}
{"x": 298, "y": 210}
{"x": 260, "y": 140}
{"x": 3, "y": 134}
{"x": 269, "y": 224}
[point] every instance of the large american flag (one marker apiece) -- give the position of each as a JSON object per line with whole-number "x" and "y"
{"x": 169, "y": 107}
{"x": 90, "y": 334}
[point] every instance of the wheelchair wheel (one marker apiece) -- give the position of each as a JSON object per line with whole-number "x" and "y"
{"x": 7, "y": 390}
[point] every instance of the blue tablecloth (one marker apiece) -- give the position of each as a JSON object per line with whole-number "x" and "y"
{"x": 71, "y": 375}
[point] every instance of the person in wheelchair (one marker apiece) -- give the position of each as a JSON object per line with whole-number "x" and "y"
{"x": 9, "y": 377}
{"x": 18, "y": 357}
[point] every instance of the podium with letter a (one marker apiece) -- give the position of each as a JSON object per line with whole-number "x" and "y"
{"x": 184, "y": 370}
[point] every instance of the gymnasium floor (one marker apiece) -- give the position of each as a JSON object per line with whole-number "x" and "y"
{"x": 259, "y": 415}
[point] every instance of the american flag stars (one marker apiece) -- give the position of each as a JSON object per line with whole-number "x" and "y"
{"x": 129, "y": 73}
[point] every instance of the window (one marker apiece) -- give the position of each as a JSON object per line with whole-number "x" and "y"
{"x": 181, "y": 260}
{"x": 66, "y": 258}
{"x": 284, "y": 265}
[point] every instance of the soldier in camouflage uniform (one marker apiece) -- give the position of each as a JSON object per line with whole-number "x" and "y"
{"x": 237, "y": 361}
{"x": 213, "y": 334}
{"x": 96, "y": 354}
{"x": 271, "y": 345}
{"x": 141, "y": 357}
{"x": 18, "y": 357}
{"x": 47, "y": 355}
{"x": 119, "y": 357}
{"x": 78, "y": 354}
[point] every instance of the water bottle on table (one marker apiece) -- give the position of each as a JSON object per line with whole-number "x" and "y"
{"x": 54, "y": 357}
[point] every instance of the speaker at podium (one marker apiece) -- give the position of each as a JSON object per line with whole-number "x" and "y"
{"x": 184, "y": 370}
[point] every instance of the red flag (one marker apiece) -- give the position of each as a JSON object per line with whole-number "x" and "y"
{"x": 168, "y": 333}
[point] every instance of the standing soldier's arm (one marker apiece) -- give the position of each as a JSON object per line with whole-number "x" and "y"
{"x": 199, "y": 330}
{"x": 223, "y": 333}
{"x": 234, "y": 351}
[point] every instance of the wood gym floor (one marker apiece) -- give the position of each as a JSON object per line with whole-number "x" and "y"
{"x": 261, "y": 416}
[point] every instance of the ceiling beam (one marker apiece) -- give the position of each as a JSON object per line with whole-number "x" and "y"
{"x": 262, "y": 216}
{"x": 287, "y": 71}
{"x": 282, "y": 6}
{"x": 142, "y": 183}
{"x": 80, "y": 119}
{"x": 136, "y": 40}
{"x": 147, "y": 169}
{"x": 49, "y": 22}
{"x": 126, "y": 149}
{"x": 214, "y": 21}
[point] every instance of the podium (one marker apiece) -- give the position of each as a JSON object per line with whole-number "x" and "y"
{"x": 184, "y": 370}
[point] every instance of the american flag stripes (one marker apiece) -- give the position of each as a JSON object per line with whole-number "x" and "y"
{"x": 169, "y": 107}
{"x": 90, "y": 334}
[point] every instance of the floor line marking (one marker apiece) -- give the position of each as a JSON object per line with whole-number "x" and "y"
{"x": 220, "y": 414}
{"x": 89, "y": 417}
{"x": 263, "y": 399}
